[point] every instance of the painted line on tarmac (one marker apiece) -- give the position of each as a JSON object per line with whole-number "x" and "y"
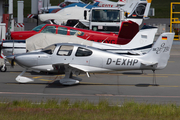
{"x": 171, "y": 61}
{"x": 94, "y": 95}
{"x": 45, "y": 80}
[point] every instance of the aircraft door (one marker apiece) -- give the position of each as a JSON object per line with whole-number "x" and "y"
{"x": 46, "y": 58}
{"x": 63, "y": 55}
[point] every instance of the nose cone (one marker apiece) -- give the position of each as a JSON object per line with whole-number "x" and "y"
{"x": 22, "y": 60}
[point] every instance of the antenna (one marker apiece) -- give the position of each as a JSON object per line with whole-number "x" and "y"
{"x": 86, "y": 5}
{"x": 85, "y": 40}
{"x": 104, "y": 40}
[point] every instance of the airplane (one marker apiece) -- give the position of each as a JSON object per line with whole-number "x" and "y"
{"x": 50, "y": 9}
{"x": 100, "y": 3}
{"x": 136, "y": 10}
{"x": 127, "y": 31}
{"x": 75, "y": 59}
{"x": 10, "y": 47}
{"x": 68, "y": 12}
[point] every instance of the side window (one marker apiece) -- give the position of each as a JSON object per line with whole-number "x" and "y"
{"x": 79, "y": 33}
{"x": 62, "y": 30}
{"x": 49, "y": 49}
{"x": 72, "y": 32}
{"x": 38, "y": 28}
{"x": 83, "y": 52}
{"x": 49, "y": 29}
{"x": 65, "y": 50}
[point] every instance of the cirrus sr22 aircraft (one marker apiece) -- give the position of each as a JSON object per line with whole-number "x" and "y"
{"x": 76, "y": 59}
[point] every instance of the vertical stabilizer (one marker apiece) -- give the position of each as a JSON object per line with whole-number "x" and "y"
{"x": 127, "y": 31}
{"x": 143, "y": 39}
{"x": 160, "y": 52}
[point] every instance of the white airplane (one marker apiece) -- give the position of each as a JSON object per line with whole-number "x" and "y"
{"x": 9, "y": 47}
{"x": 49, "y": 9}
{"x": 136, "y": 10}
{"x": 76, "y": 59}
{"x": 68, "y": 12}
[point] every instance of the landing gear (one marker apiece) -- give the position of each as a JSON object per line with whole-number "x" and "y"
{"x": 3, "y": 68}
{"x": 22, "y": 79}
{"x": 69, "y": 79}
{"x": 154, "y": 78}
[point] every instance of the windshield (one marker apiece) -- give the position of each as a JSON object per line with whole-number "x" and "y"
{"x": 105, "y": 16}
{"x": 38, "y": 28}
{"x": 49, "y": 49}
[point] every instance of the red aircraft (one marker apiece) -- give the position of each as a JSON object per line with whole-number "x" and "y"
{"x": 127, "y": 31}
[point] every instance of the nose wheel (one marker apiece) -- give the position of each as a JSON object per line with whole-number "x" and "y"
{"x": 3, "y": 68}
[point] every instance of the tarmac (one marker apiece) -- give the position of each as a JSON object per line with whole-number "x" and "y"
{"x": 115, "y": 87}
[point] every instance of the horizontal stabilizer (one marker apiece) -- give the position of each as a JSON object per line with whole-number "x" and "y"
{"x": 50, "y": 16}
{"x": 148, "y": 63}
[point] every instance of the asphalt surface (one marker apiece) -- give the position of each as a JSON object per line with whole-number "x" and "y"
{"x": 116, "y": 87}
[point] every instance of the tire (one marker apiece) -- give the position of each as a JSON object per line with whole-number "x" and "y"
{"x": 3, "y": 70}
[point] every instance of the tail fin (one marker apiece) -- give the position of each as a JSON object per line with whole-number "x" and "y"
{"x": 121, "y": 2}
{"x": 96, "y": 3}
{"x": 160, "y": 52}
{"x": 127, "y": 31}
{"x": 137, "y": 10}
{"x": 143, "y": 40}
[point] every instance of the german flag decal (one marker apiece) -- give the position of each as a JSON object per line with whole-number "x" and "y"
{"x": 164, "y": 38}
{"x": 134, "y": 15}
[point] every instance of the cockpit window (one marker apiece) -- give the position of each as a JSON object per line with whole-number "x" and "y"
{"x": 49, "y": 49}
{"x": 65, "y": 50}
{"x": 83, "y": 52}
{"x": 79, "y": 33}
{"x": 49, "y": 29}
{"x": 38, "y": 28}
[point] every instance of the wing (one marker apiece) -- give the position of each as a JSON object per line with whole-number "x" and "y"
{"x": 88, "y": 68}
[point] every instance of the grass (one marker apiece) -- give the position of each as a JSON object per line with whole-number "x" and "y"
{"x": 162, "y": 7}
{"x": 85, "y": 110}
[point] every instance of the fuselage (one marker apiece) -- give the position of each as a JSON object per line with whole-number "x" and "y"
{"x": 88, "y": 59}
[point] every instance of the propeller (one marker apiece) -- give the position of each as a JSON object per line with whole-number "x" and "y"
{"x": 1, "y": 43}
{"x": 11, "y": 59}
{"x": 12, "y": 62}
